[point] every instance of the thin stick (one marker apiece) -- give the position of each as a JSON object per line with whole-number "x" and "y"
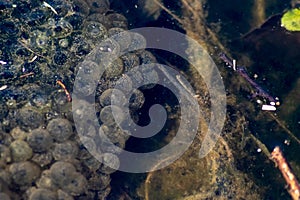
{"x": 69, "y": 98}
{"x": 26, "y": 47}
{"x": 290, "y": 178}
{"x": 281, "y": 124}
{"x": 168, "y": 11}
{"x": 26, "y": 75}
{"x": 242, "y": 71}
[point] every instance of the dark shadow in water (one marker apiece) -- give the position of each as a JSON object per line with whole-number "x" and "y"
{"x": 156, "y": 95}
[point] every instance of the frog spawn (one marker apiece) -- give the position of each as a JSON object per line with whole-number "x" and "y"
{"x": 57, "y": 43}
{"x": 110, "y": 116}
{"x": 65, "y": 176}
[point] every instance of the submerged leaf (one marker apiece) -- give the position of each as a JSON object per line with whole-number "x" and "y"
{"x": 291, "y": 20}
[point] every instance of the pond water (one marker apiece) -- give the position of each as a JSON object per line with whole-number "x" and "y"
{"x": 43, "y": 45}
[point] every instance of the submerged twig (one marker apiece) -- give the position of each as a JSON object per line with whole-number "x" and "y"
{"x": 68, "y": 95}
{"x": 26, "y": 75}
{"x": 26, "y": 47}
{"x": 168, "y": 11}
{"x": 282, "y": 125}
{"x": 290, "y": 178}
{"x": 242, "y": 71}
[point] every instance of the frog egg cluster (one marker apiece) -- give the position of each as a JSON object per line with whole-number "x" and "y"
{"x": 42, "y": 156}
{"x": 123, "y": 74}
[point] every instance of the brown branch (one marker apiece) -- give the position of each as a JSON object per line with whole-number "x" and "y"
{"x": 68, "y": 95}
{"x": 290, "y": 178}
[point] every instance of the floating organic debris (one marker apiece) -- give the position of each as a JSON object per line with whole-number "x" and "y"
{"x": 49, "y": 6}
{"x": 268, "y": 107}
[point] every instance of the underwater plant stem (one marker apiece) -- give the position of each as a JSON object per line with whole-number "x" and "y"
{"x": 290, "y": 178}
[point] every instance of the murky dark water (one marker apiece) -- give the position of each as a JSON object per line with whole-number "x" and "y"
{"x": 273, "y": 56}
{"x": 270, "y": 52}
